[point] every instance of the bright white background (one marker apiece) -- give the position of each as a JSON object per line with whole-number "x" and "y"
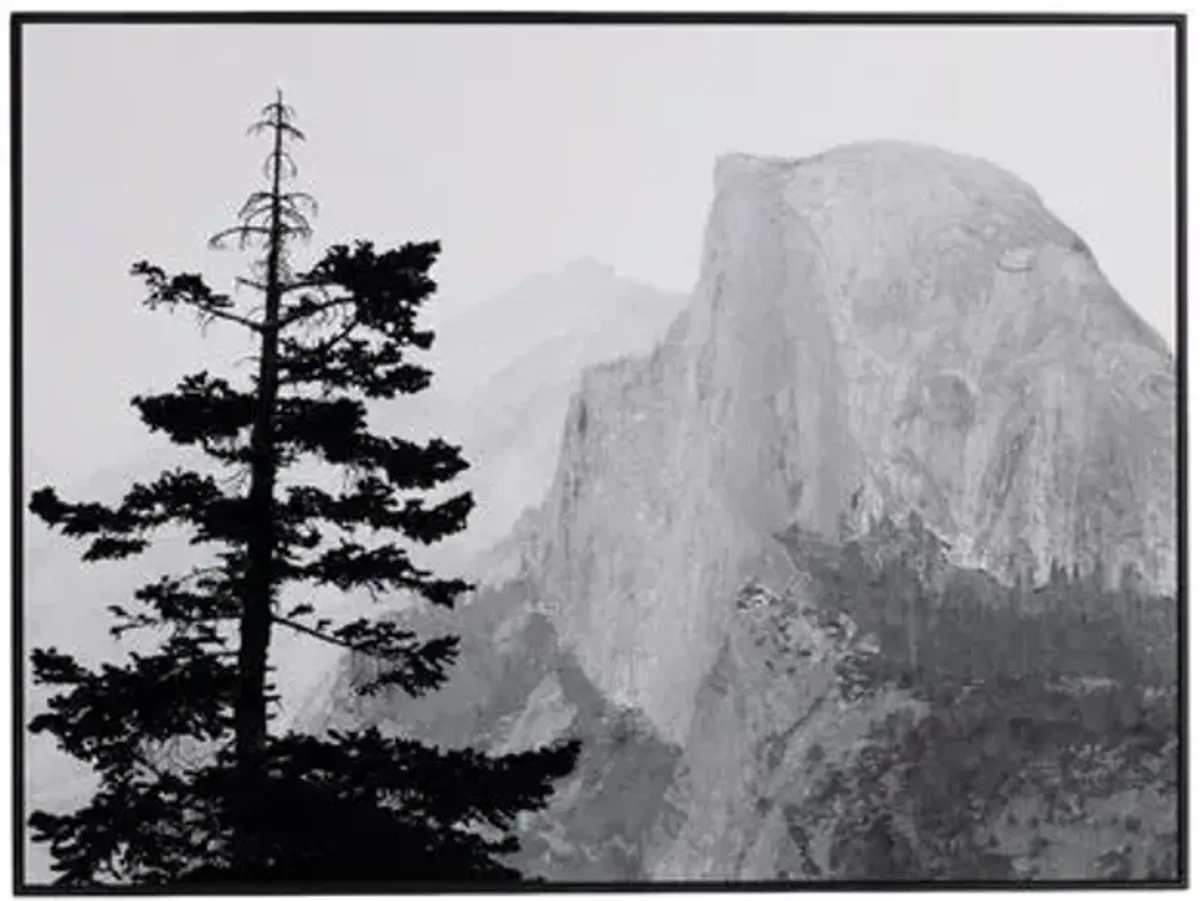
{"x": 520, "y": 148}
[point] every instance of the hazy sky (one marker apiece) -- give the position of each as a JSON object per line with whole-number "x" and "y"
{"x": 521, "y": 148}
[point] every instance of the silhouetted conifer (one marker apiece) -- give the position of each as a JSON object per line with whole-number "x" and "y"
{"x": 253, "y": 806}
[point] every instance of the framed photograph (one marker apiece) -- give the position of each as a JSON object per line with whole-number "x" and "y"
{"x": 577, "y": 451}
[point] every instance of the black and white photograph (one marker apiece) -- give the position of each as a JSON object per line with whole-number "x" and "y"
{"x": 577, "y": 451}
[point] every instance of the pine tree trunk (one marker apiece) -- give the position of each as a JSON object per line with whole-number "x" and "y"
{"x": 250, "y": 714}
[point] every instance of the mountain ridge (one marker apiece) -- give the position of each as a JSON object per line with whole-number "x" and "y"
{"x": 861, "y": 341}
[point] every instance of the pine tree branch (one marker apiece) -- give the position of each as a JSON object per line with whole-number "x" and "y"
{"x": 325, "y": 347}
{"x": 200, "y": 409}
{"x": 352, "y": 364}
{"x": 316, "y": 633}
{"x": 188, "y": 290}
{"x": 316, "y": 357}
{"x": 229, "y": 317}
{"x": 242, "y": 231}
{"x": 381, "y": 640}
{"x": 309, "y": 311}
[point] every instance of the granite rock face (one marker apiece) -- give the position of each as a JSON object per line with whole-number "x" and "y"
{"x": 505, "y": 371}
{"x": 775, "y": 709}
{"x": 516, "y": 688}
{"x": 879, "y": 329}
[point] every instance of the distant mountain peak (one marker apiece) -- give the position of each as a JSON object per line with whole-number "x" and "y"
{"x": 588, "y": 267}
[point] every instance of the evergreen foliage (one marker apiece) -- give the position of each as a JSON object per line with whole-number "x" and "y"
{"x": 1048, "y": 709}
{"x": 938, "y": 624}
{"x": 254, "y": 806}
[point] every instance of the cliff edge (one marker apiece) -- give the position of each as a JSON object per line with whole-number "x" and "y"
{"x": 878, "y": 329}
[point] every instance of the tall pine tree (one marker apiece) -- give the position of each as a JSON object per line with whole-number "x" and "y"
{"x": 346, "y": 807}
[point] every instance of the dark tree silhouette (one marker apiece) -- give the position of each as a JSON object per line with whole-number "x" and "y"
{"x": 249, "y": 805}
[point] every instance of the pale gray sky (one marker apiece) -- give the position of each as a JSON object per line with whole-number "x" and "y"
{"x": 521, "y": 148}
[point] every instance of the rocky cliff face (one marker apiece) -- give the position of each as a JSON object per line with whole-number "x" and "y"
{"x": 776, "y": 708}
{"x": 505, "y": 373}
{"x": 881, "y": 328}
